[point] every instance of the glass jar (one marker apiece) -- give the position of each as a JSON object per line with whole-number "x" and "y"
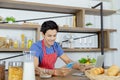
{"x": 15, "y": 70}
{"x": 2, "y": 70}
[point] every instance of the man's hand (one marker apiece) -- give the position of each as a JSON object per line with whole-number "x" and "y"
{"x": 84, "y": 67}
{"x": 62, "y": 71}
{"x": 37, "y": 71}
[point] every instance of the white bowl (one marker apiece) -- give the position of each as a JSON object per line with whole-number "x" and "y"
{"x": 45, "y": 76}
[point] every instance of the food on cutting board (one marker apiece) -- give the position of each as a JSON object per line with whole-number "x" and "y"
{"x": 112, "y": 73}
{"x": 118, "y": 74}
{"x": 97, "y": 71}
{"x": 113, "y": 70}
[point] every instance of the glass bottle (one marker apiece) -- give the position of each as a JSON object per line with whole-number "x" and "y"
{"x": 15, "y": 70}
{"x": 30, "y": 42}
{"x": 15, "y": 43}
{"x": 2, "y": 70}
{"x": 7, "y": 42}
{"x": 28, "y": 65}
{"x": 22, "y": 41}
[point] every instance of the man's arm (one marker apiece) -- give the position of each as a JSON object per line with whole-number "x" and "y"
{"x": 65, "y": 58}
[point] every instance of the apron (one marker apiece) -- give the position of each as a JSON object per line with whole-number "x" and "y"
{"x": 48, "y": 60}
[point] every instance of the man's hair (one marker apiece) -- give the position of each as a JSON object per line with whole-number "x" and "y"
{"x": 49, "y": 25}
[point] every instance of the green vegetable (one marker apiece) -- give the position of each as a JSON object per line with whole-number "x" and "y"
{"x": 93, "y": 60}
{"x": 10, "y": 19}
{"x": 87, "y": 60}
{"x": 83, "y": 60}
{"x": 89, "y": 24}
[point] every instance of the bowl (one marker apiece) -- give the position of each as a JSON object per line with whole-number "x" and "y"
{"x": 45, "y": 76}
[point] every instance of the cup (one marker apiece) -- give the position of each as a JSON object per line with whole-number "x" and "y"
{"x": 15, "y": 70}
{"x": 2, "y": 70}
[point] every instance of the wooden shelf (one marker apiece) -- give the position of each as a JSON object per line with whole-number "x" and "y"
{"x": 86, "y": 30}
{"x": 65, "y": 49}
{"x": 97, "y": 12}
{"x": 19, "y": 26}
{"x": 62, "y": 29}
{"x": 22, "y": 5}
{"x": 13, "y": 49}
{"x": 87, "y": 50}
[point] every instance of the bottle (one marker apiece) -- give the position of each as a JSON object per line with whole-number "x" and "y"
{"x": 15, "y": 44}
{"x": 30, "y": 42}
{"x": 28, "y": 66}
{"x": 22, "y": 41}
{"x": 11, "y": 43}
{"x": 7, "y": 42}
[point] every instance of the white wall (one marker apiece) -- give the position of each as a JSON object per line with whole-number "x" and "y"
{"x": 111, "y": 57}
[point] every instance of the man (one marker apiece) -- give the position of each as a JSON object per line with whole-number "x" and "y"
{"x": 47, "y": 52}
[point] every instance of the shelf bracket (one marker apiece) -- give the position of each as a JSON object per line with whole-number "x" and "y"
{"x": 101, "y": 21}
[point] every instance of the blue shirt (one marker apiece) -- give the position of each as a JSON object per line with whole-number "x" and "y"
{"x": 37, "y": 47}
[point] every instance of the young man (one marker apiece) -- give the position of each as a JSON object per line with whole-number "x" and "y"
{"x": 47, "y": 52}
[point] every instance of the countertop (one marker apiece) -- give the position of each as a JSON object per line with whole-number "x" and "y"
{"x": 68, "y": 77}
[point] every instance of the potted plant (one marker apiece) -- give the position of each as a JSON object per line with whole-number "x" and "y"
{"x": 89, "y": 24}
{"x": 10, "y": 19}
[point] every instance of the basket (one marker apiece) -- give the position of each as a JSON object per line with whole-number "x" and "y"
{"x": 100, "y": 77}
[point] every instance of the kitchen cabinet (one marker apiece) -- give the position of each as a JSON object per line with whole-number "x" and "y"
{"x": 79, "y": 12}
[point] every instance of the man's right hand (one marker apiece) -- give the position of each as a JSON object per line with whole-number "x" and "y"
{"x": 61, "y": 71}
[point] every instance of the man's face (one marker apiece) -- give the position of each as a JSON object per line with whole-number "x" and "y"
{"x": 50, "y": 37}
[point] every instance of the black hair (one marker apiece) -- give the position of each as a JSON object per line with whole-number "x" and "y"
{"x": 47, "y": 25}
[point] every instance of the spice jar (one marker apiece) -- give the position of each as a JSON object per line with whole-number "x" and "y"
{"x": 15, "y": 70}
{"x": 2, "y": 70}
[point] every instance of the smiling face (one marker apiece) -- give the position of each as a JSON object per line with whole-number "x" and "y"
{"x": 50, "y": 37}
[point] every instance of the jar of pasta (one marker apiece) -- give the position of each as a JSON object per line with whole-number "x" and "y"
{"x": 15, "y": 70}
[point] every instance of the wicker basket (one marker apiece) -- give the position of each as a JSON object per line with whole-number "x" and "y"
{"x": 100, "y": 77}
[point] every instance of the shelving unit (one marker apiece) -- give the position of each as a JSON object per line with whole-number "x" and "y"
{"x": 79, "y": 12}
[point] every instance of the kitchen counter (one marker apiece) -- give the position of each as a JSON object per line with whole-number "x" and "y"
{"x": 68, "y": 77}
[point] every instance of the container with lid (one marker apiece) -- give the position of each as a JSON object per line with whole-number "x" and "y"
{"x": 15, "y": 70}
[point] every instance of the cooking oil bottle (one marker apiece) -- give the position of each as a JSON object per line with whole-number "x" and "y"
{"x": 22, "y": 41}
{"x": 15, "y": 44}
{"x": 30, "y": 42}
